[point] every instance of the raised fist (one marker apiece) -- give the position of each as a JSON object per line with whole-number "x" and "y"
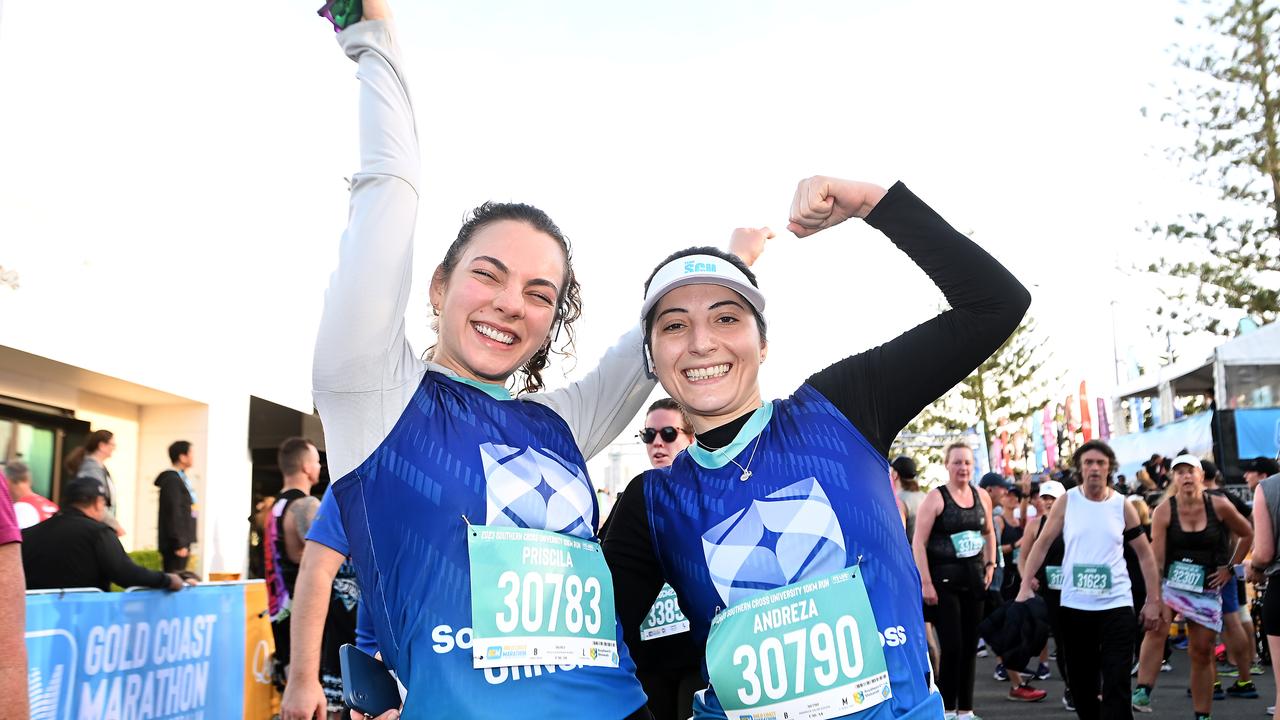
{"x": 821, "y": 202}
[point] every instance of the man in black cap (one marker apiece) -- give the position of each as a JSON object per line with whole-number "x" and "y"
{"x": 1258, "y": 469}
{"x": 902, "y": 471}
{"x": 76, "y": 549}
{"x": 996, "y": 486}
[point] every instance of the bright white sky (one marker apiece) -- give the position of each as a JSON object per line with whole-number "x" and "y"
{"x": 186, "y": 165}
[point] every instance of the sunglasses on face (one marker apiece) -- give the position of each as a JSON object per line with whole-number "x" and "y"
{"x": 668, "y": 433}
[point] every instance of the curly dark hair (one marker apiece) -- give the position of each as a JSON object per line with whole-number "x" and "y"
{"x": 568, "y": 305}
{"x": 1101, "y": 447}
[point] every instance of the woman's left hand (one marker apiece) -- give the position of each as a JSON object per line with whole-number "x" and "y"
{"x": 748, "y": 243}
{"x": 821, "y": 202}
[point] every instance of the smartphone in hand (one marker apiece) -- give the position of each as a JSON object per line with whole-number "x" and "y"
{"x": 367, "y": 685}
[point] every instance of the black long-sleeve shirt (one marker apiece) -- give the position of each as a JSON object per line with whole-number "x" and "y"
{"x": 72, "y": 550}
{"x": 176, "y": 526}
{"x": 879, "y": 390}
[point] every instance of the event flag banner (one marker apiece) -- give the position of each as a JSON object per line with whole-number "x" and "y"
{"x": 1104, "y": 425}
{"x": 1086, "y": 426}
{"x": 147, "y": 655}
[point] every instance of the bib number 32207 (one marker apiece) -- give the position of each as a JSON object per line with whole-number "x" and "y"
{"x": 807, "y": 650}
{"x": 539, "y": 598}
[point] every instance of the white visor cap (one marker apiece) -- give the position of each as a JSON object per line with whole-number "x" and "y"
{"x": 1187, "y": 459}
{"x": 700, "y": 270}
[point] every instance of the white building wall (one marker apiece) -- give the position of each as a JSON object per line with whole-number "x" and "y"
{"x": 161, "y": 426}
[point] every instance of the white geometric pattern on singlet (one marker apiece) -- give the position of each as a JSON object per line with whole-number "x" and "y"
{"x": 536, "y": 489}
{"x": 788, "y": 535}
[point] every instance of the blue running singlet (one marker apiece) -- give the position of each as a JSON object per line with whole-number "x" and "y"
{"x": 818, "y": 500}
{"x": 456, "y": 451}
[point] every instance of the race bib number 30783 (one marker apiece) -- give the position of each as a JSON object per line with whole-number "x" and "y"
{"x": 805, "y": 651}
{"x": 539, "y": 598}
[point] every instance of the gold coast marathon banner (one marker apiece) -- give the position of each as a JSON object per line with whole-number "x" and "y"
{"x": 203, "y": 653}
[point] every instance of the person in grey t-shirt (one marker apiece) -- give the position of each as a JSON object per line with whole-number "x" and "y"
{"x": 88, "y": 461}
{"x": 1264, "y": 563}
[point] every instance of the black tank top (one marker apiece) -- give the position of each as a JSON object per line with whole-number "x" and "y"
{"x": 954, "y": 519}
{"x": 287, "y": 568}
{"x": 1053, "y": 557}
{"x": 1207, "y": 547}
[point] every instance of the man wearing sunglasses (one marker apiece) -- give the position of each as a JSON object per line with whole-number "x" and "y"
{"x": 668, "y": 663}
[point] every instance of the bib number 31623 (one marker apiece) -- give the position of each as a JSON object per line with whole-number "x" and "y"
{"x": 539, "y": 598}
{"x": 807, "y": 650}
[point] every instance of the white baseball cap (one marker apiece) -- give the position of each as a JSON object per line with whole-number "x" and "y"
{"x": 1186, "y": 459}
{"x": 700, "y": 270}
{"x": 1053, "y": 489}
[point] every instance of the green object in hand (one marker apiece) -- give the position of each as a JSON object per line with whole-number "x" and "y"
{"x": 342, "y": 13}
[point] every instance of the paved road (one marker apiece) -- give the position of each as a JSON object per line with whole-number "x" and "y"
{"x": 1169, "y": 699}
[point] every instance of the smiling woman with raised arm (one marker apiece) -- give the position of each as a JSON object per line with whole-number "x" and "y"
{"x": 467, "y": 512}
{"x": 777, "y": 529}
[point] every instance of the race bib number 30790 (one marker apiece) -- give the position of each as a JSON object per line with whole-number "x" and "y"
{"x": 539, "y": 598}
{"x": 805, "y": 651}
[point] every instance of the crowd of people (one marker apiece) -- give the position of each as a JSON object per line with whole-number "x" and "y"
{"x": 1103, "y": 572}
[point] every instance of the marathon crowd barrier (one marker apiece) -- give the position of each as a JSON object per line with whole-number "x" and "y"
{"x": 202, "y": 653}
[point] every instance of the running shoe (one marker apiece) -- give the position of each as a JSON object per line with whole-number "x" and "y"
{"x": 1041, "y": 673}
{"x": 1271, "y": 709}
{"x": 1000, "y": 674}
{"x": 1219, "y": 694}
{"x": 1166, "y": 667}
{"x": 948, "y": 716}
{"x": 982, "y": 651}
{"x": 1026, "y": 693}
{"x": 1068, "y": 703}
{"x": 1233, "y": 671}
{"x": 1181, "y": 643}
{"x": 1141, "y": 701}
{"x": 1239, "y": 689}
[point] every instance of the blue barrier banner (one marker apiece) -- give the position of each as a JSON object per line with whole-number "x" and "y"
{"x": 1195, "y": 433}
{"x": 1258, "y": 432}
{"x": 137, "y": 656}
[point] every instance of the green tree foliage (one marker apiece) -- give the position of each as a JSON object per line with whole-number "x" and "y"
{"x": 1009, "y": 387}
{"x": 1228, "y": 257}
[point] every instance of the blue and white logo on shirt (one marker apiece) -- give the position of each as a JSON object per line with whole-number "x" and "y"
{"x": 529, "y": 488}
{"x": 783, "y": 537}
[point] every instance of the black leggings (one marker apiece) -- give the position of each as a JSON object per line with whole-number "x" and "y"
{"x": 1100, "y": 647}
{"x": 956, "y": 618}
{"x": 1052, "y": 601}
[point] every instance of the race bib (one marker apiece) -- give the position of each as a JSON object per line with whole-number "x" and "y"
{"x": 1091, "y": 579}
{"x": 1186, "y": 576}
{"x": 804, "y": 651}
{"x": 664, "y": 617}
{"x": 539, "y": 598}
{"x": 967, "y": 543}
{"x": 1054, "y": 574}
